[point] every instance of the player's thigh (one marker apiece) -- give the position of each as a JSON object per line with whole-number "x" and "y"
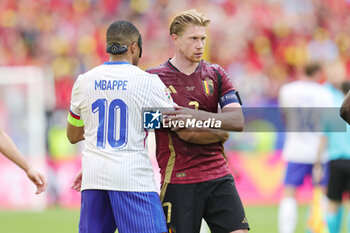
{"x": 224, "y": 210}
{"x": 339, "y": 179}
{"x": 346, "y": 169}
{"x": 183, "y": 207}
{"x": 96, "y": 213}
{"x": 296, "y": 173}
{"x": 137, "y": 212}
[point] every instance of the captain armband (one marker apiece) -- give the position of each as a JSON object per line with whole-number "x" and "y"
{"x": 230, "y": 97}
{"x": 75, "y": 120}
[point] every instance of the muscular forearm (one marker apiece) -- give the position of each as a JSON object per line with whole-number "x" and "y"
{"x": 75, "y": 134}
{"x": 231, "y": 118}
{"x": 231, "y": 121}
{"x": 202, "y": 137}
{"x": 9, "y": 149}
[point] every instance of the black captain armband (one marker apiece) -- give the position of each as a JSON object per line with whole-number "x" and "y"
{"x": 230, "y": 97}
{"x": 239, "y": 98}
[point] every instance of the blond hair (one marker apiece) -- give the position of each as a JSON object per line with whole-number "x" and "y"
{"x": 183, "y": 19}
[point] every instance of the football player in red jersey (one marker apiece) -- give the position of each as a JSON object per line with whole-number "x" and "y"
{"x": 196, "y": 180}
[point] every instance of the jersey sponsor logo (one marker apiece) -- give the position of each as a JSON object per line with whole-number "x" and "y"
{"x": 151, "y": 119}
{"x": 245, "y": 220}
{"x": 191, "y": 88}
{"x": 111, "y": 85}
{"x": 208, "y": 86}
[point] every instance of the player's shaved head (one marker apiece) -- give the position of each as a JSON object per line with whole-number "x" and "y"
{"x": 312, "y": 68}
{"x": 122, "y": 32}
{"x": 190, "y": 17}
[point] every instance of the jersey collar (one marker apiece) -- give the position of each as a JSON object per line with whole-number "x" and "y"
{"x": 116, "y": 63}
{"x": 171, "y": 66}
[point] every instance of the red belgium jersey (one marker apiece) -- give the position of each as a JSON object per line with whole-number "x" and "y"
{"x": 179, "y": 161}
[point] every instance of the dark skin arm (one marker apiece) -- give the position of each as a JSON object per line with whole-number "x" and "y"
{"x": 75, "y": 134}
{"x": 345, "y": 109}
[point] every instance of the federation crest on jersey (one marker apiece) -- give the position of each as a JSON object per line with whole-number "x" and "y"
{"x": 208, "y": 86}
{"x": 151, "y": 119}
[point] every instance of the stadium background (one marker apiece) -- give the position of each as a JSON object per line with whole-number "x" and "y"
{"x": 261, "y": 43}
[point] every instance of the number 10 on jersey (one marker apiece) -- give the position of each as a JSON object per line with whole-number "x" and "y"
{"x": 109, "y": 124}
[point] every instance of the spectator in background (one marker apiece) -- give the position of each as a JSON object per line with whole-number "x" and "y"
{"x": 298, "y": 101}
{"x": 9, "y": 149}
{"x": 338, "y": 147}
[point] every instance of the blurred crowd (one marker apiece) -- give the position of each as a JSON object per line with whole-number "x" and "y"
{"x": 261, "y": 43}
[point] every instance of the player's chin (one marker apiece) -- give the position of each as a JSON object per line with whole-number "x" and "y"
{"x": 195, "y": 58}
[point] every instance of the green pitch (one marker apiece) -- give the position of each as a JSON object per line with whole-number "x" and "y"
{"x": 262, "y": 219}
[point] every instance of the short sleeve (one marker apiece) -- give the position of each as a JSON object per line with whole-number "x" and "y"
{"x": 227, "y": 92}
{"x": 160, "y": 97}
{"x": 226, "y": 85}
{"x": 74, "y": 116}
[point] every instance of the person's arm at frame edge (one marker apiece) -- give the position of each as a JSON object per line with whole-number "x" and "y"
{"x": 345, "y": 109}
{"x": 10, "y": 151}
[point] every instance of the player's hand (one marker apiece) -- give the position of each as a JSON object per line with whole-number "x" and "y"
{"x": 38, "y": 179}
{"x": 77, "y": 181}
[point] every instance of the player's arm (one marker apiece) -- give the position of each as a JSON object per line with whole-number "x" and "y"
{"x": 75, "y": 125}
{"x": 206, "y": 137}
{"x": 75, "y": 133}
{"x": 231, "y": 117}
{"x": 345, "y": 109}
{"x": 317, "y": 171}
{"x": 9, "y": 149}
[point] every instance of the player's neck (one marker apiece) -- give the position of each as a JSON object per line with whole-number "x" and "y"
{"x": 308, "y": 79}
{"x": 184, "y": 65}
{"x": 115, "y": 58}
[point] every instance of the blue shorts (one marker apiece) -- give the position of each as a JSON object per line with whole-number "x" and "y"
{"x": 103, "y": 211}
{"x": 296, "y": 173}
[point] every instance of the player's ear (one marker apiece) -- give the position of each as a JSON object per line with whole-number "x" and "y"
{"x": 134, "y": 48}
{"x": 174, "y": 37}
